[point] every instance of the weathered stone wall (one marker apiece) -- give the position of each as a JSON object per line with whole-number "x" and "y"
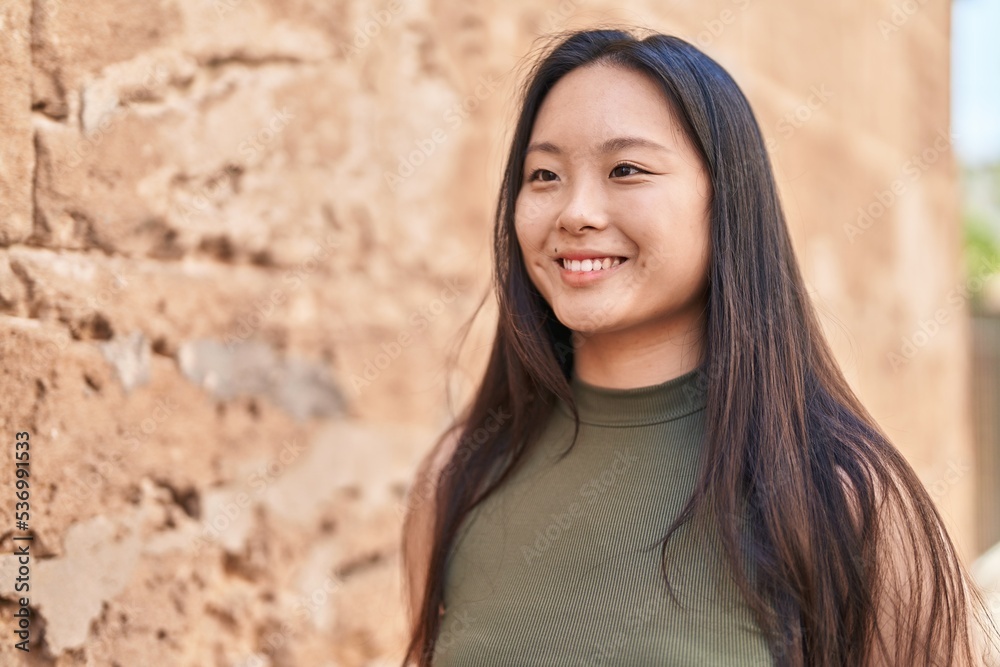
{"x": 238, "y": 239}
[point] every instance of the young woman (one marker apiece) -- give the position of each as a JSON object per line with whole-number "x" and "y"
{"x": 664, "y": 464}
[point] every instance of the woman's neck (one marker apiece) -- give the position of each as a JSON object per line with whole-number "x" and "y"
{"x": 637, "y": 357}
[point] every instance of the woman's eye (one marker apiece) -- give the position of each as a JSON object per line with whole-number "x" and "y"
{"x": 536, "y": 172}
{"x": 625, "y": 165}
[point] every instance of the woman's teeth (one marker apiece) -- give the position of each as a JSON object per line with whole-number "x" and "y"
{"x": 591, "y": 264}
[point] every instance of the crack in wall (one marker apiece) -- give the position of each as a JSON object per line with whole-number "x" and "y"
{"x": 363, "y": 563}
{"x": 239, "y": 58}
{"x": 39, "y": 225}
{"x": 30, "y": 301}
{"x": 59, "y": 109}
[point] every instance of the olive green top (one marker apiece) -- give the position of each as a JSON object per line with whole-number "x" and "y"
{"x": 561, "y": 565}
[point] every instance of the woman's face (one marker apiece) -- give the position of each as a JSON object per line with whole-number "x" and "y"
{"x": 590, "y": 191}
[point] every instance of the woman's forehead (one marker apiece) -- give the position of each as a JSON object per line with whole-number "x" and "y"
{"x": 599, "y": 109}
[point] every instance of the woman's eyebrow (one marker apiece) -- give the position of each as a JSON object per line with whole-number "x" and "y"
{"x": 609, "y": 146}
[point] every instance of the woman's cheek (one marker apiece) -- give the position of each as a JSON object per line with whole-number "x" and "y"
{"x": 532, "y": 209}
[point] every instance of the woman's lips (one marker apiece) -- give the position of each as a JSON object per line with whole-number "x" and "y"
{"x": 582, "y": 278}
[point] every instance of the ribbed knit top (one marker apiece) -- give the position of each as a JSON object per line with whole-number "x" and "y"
{"x": 561, "y": 565}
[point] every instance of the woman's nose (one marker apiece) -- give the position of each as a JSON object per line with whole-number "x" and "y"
{"x": 585, "y": 206}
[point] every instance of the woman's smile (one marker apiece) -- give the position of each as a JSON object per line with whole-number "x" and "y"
{"x": 577, "y": 273}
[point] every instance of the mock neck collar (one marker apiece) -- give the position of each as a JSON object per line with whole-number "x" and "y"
{"x": 637, "y": 406}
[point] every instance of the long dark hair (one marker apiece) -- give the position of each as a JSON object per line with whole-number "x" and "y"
{"x": 841, "y": 525}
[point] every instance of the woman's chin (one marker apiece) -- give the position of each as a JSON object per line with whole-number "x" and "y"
{"x": 585, "y": 324}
